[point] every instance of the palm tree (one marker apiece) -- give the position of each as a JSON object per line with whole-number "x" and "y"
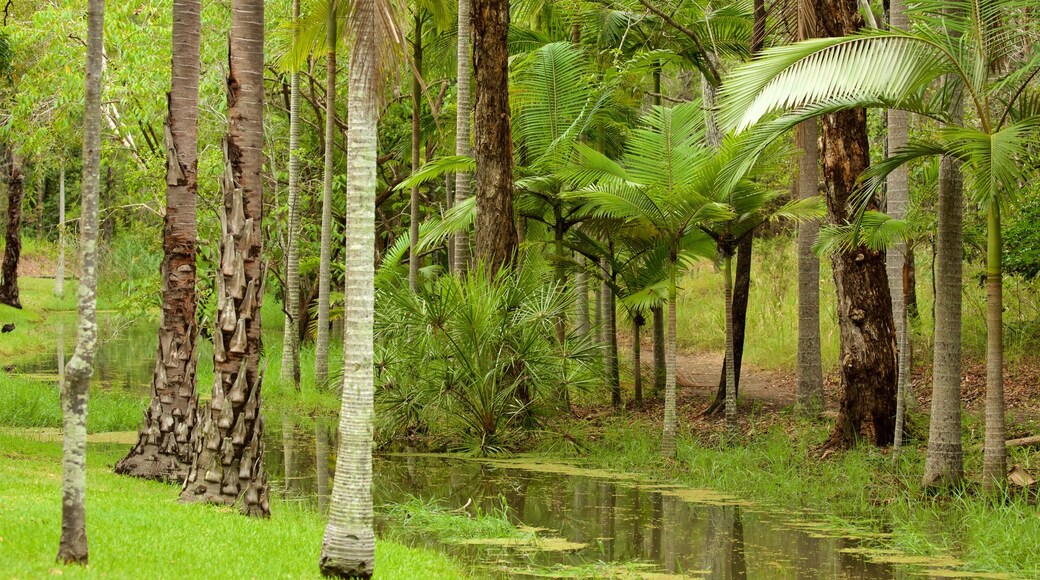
{"x": 291, "y": 337}
{"x": 72, "y": 548}
{"x": 163, "y": 449}
{"x": 413, "y": 225}
{"x": 810, "y": 364}
{"x": 348, "y": 549}
{"x": 654, "y": 193}
{"x": 59, "y": 275}
{"x": 321, "y": 341}
{"x": 228, "y": 455}
{"x": 974, "y": 62}
{"x": 463, "y": 112}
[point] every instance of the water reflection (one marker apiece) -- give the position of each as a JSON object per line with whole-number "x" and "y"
{"x": 617, "y": 521}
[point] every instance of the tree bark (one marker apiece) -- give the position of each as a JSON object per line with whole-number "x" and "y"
{"x": 581, "y": 290}
{"x": 741, "y": 294}
{"x": 732, "y": 429}
{"x": 228, "y": 449}
{"x": 13, "y": 249}
{"x": 660, "y": 370}
{"x": 413, "y": 225}
{"x": 493, "y": 139}
{"x": 348, "y": 548}
{"x": 72, "y": 548}
{"x": 163, "y": 449}
{"x": 810, "y": 365}
{"x": 994, "y": 464}
{"x": 59, "y": 276}
{"x": 463, "y": 114}
{"x": 321, "y": 341}
{"x": 668, "y": 437}
{"x": 290, "y": 369}
{"x": 637, "y": 363}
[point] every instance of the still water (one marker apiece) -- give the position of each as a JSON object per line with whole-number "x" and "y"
{"x": 589, "y": 523}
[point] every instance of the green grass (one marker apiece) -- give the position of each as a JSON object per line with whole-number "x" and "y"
{"x": 29, "y": 402}
{"x": 858, "y": 489}
{"x": 433, "y": 518}
{"x": 137, "y": 528}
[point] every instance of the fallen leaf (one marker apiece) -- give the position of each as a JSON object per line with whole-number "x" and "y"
{"x": 1020, "y": 477}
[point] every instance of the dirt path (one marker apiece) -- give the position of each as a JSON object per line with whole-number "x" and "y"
{"x": 698, "y": 375}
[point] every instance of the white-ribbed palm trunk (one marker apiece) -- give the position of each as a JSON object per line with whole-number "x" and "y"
{"x": 74, "y": 389}
{"x": 291, "y": 339}
{"x": 994, "y": 461}
{"x": 59, "y": 275}
{"x": 809, "y": 365}
{"x": 348, "y": 550}
{"x": 668, "y": 437}
{"x": 321, "y": 341}
{"x": 463, "y": 117}
{"x": 732, "y": 430}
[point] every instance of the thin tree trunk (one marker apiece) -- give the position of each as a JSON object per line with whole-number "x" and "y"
{"x": 668, "y": 438}
{"x": 613, "y": 369}
{"x": 867, "y": 406}
{"x": 72, "y": 548}
{"x": 163, "y": 449}
{"x": 944, "y": 459}
{"x": 13, "y": 249}
{"x": 291, "y": 335}
{"x": 413, "y": 226}
{"x": 637, "y": 363}
{"x": 449, "y": 199}
{"x": 493, "y": 140}
{"x": 228, "y": 454}
{"x": 911, "y": 286}
{"x": 348, "y": 549}
{"x": 321, "y": 341}
{"x": 59, "y": 276}
{"x": 994, "y": 464}
{"x": 732, "y": 429}
{"x": 463, "y": 114}
{"x": 741, "y": 293}
{"x": 810, "y": 365}
{"x": 660, "y": 367}
{"x": 581, "y": 290}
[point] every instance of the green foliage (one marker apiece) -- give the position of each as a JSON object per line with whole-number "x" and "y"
{"x": 432, "y": 517}
{"x": 474, "y": 362}
{"x": 31, "y": 402}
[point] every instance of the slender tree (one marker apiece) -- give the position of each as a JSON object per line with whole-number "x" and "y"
{"x": 291, "y": 337}
{"x": 321, "y": 346}
{"x": 413, "y": 225}
{"x": 163, "y": 449}
{"x": 228, "y": 451}
{"x": 59, "y": 275}
{"x": 348, "y": 549}
{"x": 72, "y": 548}
{"x": 493, "y": 141}
{"x": 463, "y": 114}
{"x": 810, "y": 364}
{"x": 13, "y": 249}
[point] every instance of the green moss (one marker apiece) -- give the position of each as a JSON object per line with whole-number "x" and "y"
{"x": 137, "y": 527}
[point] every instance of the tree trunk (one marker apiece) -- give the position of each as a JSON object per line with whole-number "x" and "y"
{"x": 291, "y": 336}
{"x": 463, "y": 114}
{"x": 741, "y": 293}
{"x": 637, "y": 363}
{"x": 911, "y": 286}
{"x": 994, "y": 465}
{"x": 13, "y": 250}
{"x": 668, "y": 438}
{"x": 348, "y": 549}
{"x": 163, "y": 449}
{"x": 660, "y": 370}
{"x": 228, "y": 453}
{"x": 944, "y": 459}
{"x": 59, "y": 276}
{"x": 867, "y": 359}
{"x": 581, "y": 290}
{"x": 613, "y": 369}
{"x": 810, "y": 365}
{"x": 493, "y": 139}
{"x": 72, "y": 548}
{"x": 413, "y": 226}
{"x": 321, "y": 463}
{"x": 898, "y": 194}
{"x": 321, "y": 340}
{"x": 732, "y": 429}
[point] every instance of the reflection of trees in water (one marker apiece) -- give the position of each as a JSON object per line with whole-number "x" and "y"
{"x": 289, "y": 455}
{"x": 321, "y": 464}
{"x": 657, "y": 523}
{"x": 607, "y": 493}
{"x": 854, "y": 566}
{"x": 635, "y": 523}
{"x": 724, "y": 543}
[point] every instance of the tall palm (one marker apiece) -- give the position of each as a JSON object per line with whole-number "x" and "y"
{"x": 321, "y": 341}
{"x": 228, "y": 450}
{"x": 348, "y": 549}
{"x": 163, "y": 449}
{"x": 825, "y": 75}
{"x": 463, "y": 114}
{"x": 654, "y": 192}
{"x": 291, "y": 337}
{"x": 72, "y": 548}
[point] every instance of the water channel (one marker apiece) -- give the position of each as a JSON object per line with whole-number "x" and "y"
{"x": 583, "y": 522}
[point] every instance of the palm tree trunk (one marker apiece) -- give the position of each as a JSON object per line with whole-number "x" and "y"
{"x": 637, "y": 363}
{"x": 944, "y": 459}
{"x": 613, "y": 369}
{"x": 321, "y": 341}
{"x": 660, "y": 367}
{"x": 413, "y": 225}
{"x": 348, "y": 549}
{"x": 163, "y": 449}
{"x": 291, "y": 337}
{"x": 732, "y": 429}
{"x": 13, "y": 249}
{"x": 741, "y": 294}
{"x": 668, "y": 438}
{"x": 493, "y": 139}
{"x": 59, "y": 276}
{"x": 581, "y": 290}
{"x": 228, "y": 456}
{"x": 72, "y": 548}
{"x": 463, "y": 113}
{"x": 994, "y": 465}
{"x": 809, "y": 366}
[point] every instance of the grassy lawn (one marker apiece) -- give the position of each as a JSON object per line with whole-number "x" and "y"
{"x": 138, "y": 528}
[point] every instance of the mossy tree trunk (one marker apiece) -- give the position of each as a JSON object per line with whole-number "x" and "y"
{"x": 13, "y": 248}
